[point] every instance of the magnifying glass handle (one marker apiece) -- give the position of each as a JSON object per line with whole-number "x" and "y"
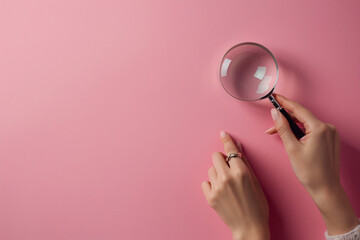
{"x": 294, "y": 127}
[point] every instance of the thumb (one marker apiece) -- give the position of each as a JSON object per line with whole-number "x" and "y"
{"x": 283, "y": 128}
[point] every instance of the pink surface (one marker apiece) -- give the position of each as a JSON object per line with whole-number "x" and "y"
{"x": 110, "y": 111}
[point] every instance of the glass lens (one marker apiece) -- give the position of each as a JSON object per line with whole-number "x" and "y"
{"x": 248, "y": 71}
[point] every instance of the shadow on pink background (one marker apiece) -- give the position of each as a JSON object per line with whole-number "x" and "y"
{"x": 110, "y": 111}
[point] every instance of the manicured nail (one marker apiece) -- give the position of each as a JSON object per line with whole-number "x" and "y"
{"x": 267, "y": 131}
{"x": 222, "y": 134}
{"x": 274, "y": 114}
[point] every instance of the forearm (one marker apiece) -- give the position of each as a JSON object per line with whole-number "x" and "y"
{"x": 336, "y": 210}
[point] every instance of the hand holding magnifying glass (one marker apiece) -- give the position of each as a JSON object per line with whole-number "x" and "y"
{"x": 248, "y": 72}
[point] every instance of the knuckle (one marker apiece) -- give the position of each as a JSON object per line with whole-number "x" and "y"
{"x": 225, "y": 179}
{"x": 282, "y": 130}
{"x": 217, "y": 191}
{"x": 294, "y": 105}
{"x": 322, "y": 128}
{"x": 240, "y": 173}
{"x": 227, "y": 139}
{"x": 331, "y": 127}
{"x": 211, "y": 170}
{"x": 213, "y": 200}
{"x": 215, "y": 155}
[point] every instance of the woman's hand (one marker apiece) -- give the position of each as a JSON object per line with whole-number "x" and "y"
{"x": 236, "y": 195}
{"x": 315, "y": 161}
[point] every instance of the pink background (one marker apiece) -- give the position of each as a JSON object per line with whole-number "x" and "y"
{"x": 110, "y": 111}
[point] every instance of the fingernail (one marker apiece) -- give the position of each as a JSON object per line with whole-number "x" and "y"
{"x": 222, "y": 134}
{"x": 274, "y": 114}
{"x": 267, "y": 131}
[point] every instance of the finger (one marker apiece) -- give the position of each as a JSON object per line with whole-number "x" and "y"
{"x": 293, "y": 117}
{"x": 244, "y": 158}
{"x": 246, "y": 161}
{"x": 229, "y": 145}
{"x": 271, "y": 130}
{"x": 212, "y": 175}
{"x": 229, "y": 148}
{"x": 301, "y": 113}
{"x": 239, "y": 146}
{"x": 283, "y": 128}
{"x": 220, "y": 165}
{"x": 206, "y": 188}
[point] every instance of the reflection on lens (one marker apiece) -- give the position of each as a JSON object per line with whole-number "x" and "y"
{"x": 225, "y": 66}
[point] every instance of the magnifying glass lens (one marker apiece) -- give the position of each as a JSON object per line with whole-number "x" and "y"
{"x": 248, "y": 72}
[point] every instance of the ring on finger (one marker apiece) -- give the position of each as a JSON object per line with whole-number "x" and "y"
{"x": 233, "y": 155}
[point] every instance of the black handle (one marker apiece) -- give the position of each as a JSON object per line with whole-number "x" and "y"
{"x": 294, "y": 127}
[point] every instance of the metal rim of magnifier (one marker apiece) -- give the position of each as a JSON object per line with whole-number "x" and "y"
{"x": 257, "y": 45}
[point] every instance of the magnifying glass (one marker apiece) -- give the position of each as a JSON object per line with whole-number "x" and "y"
{"x": 249, "y": 72}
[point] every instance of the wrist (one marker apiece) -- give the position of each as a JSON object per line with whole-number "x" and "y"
{"x": 256, "y": 234}
{"x": 325, "y": 194}
{"x": 336, "y": 210}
